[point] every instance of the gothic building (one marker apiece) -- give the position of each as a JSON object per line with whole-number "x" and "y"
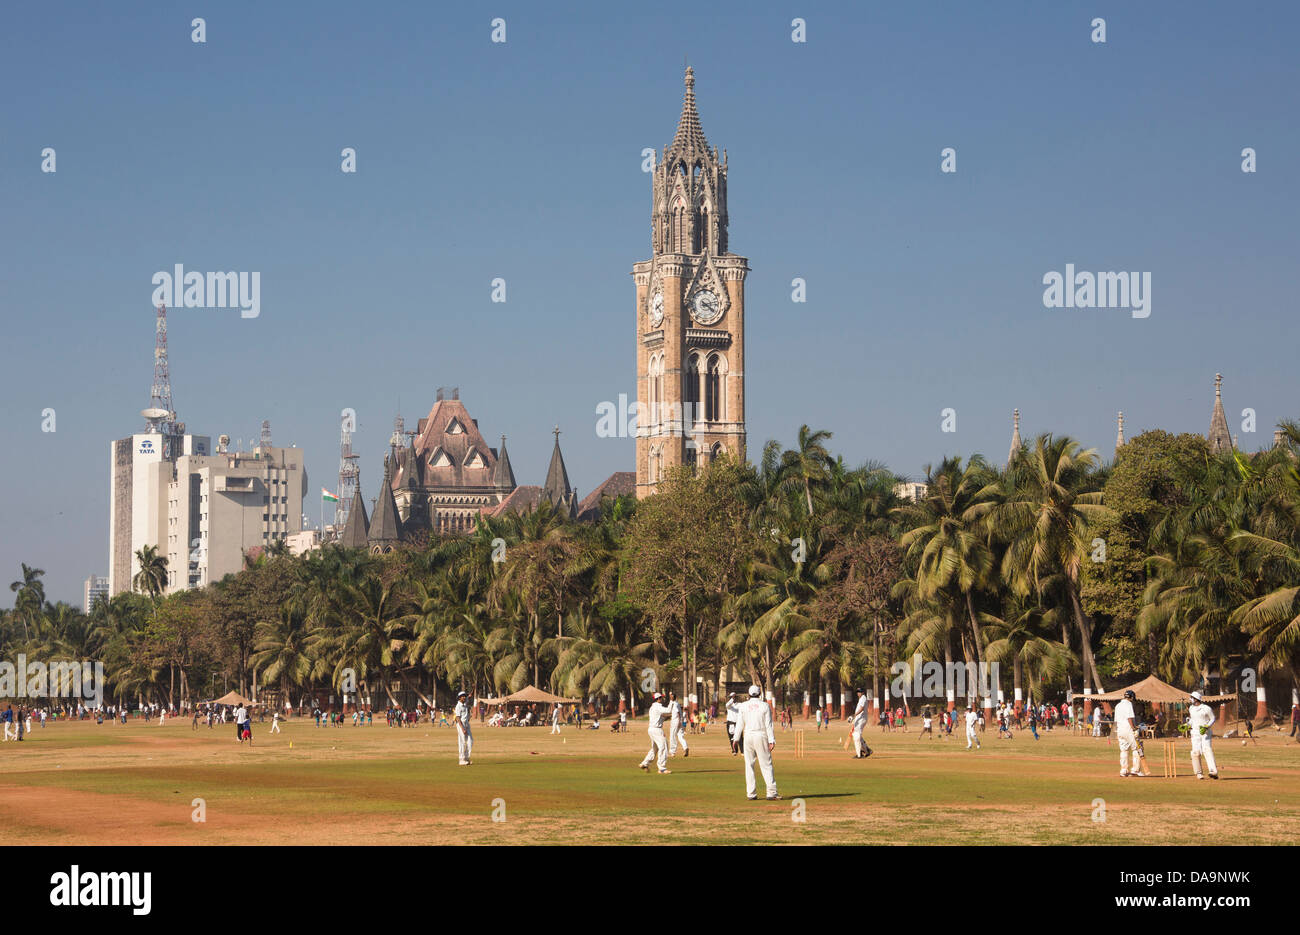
{"x": 690, "y": 308}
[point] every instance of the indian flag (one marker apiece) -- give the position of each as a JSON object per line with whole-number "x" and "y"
{"x": 326, "y": 495}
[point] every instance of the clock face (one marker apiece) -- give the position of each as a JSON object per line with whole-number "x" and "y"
{"x": 657, "y": 310}
{"x": 706, "y": 306}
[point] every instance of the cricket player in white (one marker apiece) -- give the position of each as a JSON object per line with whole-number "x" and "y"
{"x": 1201, "y": 718}
{"x": 676, "y": 731}
{"x": 732, "y": 712}
{"x": 464, "y": 736}
{"x": 275, "y": 722}
{"x": 859, "y": 724}
{"x": 658, "y": 743}
{"x": 555, "y": 720}
{"x": 1126, "y": 733}
{"x": 972, "y": 721}
{"x": 755, "y": 736}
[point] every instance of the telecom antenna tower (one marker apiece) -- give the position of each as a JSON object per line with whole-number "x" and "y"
{"x": 160, "y": 417}
{"x": 349, "y": 475}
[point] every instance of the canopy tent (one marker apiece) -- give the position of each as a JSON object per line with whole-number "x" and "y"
{"x": 490, "y": 701}
{"x": 232, "y": 698}
{"x": 1152, "y": 689}
{"x": 534, "y": 695}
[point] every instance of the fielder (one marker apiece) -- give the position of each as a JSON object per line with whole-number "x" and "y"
{"x": 860, "y": 750}
{"x": 1201, "y": 718}
{"x": 676, "y": 732}
{"x": 658, "y": 743}
{"x": 732, "y": 709}
{"x": 275, "y": 722}
{"x": 972, "y": 721}
{"x": 464, "y": 736}
{"x": 754, "y": 734}
{"x": 1126, "y": 733}
{"x": 555, "y": 720}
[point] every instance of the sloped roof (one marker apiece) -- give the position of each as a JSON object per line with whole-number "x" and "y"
{"x": 534, "y": 695}
{"x": 521, "y": 500}
{"x": 1152, "y": 689}
{"x": 357, "y": 529}
{"x": 386, "y": 525}
{"x": 435, "y": 435}
{"x": 503, "y": 476}
{"x": 618, "y": 484}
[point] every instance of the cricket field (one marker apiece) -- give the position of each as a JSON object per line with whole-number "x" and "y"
{"x": 82, "y": 783}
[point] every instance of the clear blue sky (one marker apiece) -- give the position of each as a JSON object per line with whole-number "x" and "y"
{"x": 523, "y": 161}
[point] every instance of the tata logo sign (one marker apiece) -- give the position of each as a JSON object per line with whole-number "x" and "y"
{"x": 146, "y": 447}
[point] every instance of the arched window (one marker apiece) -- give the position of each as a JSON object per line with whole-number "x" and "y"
{"x": 712, "y": 389}
{"x": 691, "y": 391}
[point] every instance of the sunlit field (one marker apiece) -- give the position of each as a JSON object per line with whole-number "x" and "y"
{"x": 137, "y": 784}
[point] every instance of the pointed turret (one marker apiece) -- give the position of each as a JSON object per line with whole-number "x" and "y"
{"x": 356, "y": 532}
{"x": 386, "y": 529}
{"x": 1016, "y": 444}
{"x": 1219, "y": 439}
{"x": 410, "y": 467}
{"x": 689, "y": 138}
{"x": 1119, "y": 435}
{"x": 503, "y": 476}
{"x": 557, "y": 490}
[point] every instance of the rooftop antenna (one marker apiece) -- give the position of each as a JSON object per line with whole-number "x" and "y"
{"x": 349, "y": 475}
{"x": 160, "y": 417}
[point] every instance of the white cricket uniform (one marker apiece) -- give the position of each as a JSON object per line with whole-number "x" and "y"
{"x": 275, "y": 723}
{"x": 1201, "y": 718}
{"x": 676, "y": 732}
{"x": 972, "y": 720}
{"x": 464, "y": 736}
{"x": 859, "y": 722}
{"x": 658, "y": 743}
{"x": 555, "y": 720}
{"x": 1128, "y": 746}
{"x": 754, "y": 734}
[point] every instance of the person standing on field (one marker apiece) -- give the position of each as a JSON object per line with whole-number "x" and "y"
{"x": 972, "y": 722}
{"x": 860, "y": 750}
{"x": 1201, "y": 718}
{"x": 1126, "y": 732}
{"x": 754, "y": 734}
{"x": 464, "y": 736}
{"x": 676, "y": 732}
{"x": 732, "y": 709}
{"x": 658, "y": 743}
{"x": 555, "y": 720}
{"x": 275, "y": 721}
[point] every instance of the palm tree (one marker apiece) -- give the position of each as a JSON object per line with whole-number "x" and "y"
{"x": 151, "y": 579}
{"x": 807, "y": 465}
{"x": 945, "y": 541}
{"x": 1044, "y": 521}
{"x": 31, "y": 596}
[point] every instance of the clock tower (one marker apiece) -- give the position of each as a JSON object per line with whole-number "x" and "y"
{"x": 690, "y": 318}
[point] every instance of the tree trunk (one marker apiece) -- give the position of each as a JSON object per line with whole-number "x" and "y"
{"x": 975, "y": 627}
{"x": 1085, "y": 638}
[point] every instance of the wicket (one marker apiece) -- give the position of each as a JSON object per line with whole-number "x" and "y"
{"x": 798, "y": 745}
{"x": 1171, "y": 759}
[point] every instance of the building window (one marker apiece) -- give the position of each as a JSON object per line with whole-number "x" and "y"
{"x": 712, "y": 387}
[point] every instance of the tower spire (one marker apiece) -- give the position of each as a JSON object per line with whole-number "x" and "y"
{"x": 1119, "y": 436}
{"x": 690, "y": 135}
{"x": 1219, "y": 438}
{"x": 1015, "y": 436}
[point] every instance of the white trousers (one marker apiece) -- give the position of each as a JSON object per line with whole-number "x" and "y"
{"x": 464, "y": 742}
{"x": 676, "y": 735}
{"x": 10, "y": 733}
{"x": 856, "y": 734}
{"x": 971, "y": 738}
{"x": 555, "y": 727}
{"x": 275, "y": 727}
{"x": 756, "y": 749}
{"x": 1128, "y": 749}
{"x": 1202, "y": 749}
{"x": 658, "y": 748}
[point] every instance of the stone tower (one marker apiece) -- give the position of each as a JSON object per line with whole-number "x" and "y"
{"x": 690, "y": 313}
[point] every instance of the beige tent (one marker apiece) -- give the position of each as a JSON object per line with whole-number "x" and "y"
{"x": 490, "y": 701}
{"x": 232, "y": 698}
{"x": 1152, "y": 689}
{"x": 533, "y": 695}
